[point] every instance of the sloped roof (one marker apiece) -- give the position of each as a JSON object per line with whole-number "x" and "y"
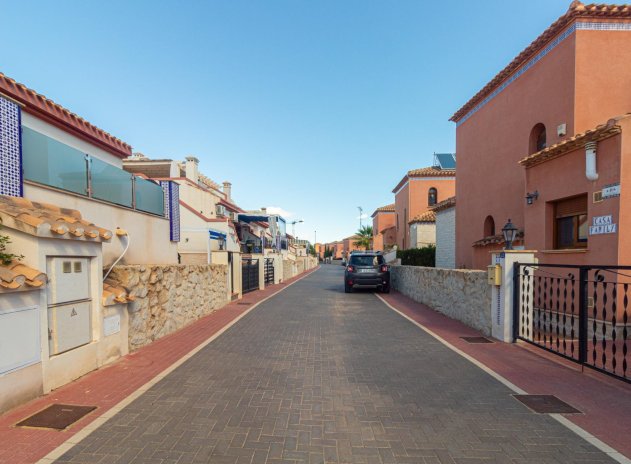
{"x": 445, "y": 204}
{"x": 600, "y": 132}
{"x": 44, "y": 108}
{"x": 384, "y": 209}
{"x": 114, "y": 293}
{"x": 430, "y": 171}
{"x": 18, "y": 276}
{"x": 576, "y": 10}
{"x": 47, "y": 220}
{"x": 427, "y": 216}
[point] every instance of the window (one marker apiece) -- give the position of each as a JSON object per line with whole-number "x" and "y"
{"x": 489, "y": 227}
{"x": 537, "y": 138}
{"x": 570, "y": 223}
{"x": 432, "y": 196}
{"x": 367, "y": 260}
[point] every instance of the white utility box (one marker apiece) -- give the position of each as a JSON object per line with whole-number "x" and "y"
{"x": 69, "y": 326}
{"x": 69, "y": 280}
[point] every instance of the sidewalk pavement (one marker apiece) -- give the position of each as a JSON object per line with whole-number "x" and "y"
{"x": 604, "y": 401}
{"x": 106, "y": 387}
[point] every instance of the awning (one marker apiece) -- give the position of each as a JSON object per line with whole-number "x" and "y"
{"x": 216, "y": 235}
{"x": 247, "y": 218}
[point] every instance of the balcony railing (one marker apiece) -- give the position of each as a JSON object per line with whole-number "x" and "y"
{"x": 49, "y": 162}
{"x": 252, "y": 246}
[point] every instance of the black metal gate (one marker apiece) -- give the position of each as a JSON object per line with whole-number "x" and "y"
{"x": 249, "y": 275}
{"x": 582, "y": 313}
{"x": 269, "y": 271}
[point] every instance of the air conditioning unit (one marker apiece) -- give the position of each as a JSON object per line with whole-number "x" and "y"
{"x": 220, "y": 210}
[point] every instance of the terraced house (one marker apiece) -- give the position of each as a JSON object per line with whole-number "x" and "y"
{"x": 544, "y": 144}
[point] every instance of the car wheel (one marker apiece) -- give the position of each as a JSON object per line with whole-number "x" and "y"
{"x": 385, "y": 289}
{"x": 348, "y": 289}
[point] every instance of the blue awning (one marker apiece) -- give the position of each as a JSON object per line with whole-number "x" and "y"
{"x": 215, "y": 235}
{"x": 247, "y": 218}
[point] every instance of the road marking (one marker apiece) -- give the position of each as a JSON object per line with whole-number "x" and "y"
{"x": 584, "y": 434}
{"x": 107, "y": 415}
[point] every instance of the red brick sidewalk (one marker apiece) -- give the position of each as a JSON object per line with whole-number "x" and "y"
{"x": 108, "y": 386}
{"x": 605, "y": 402}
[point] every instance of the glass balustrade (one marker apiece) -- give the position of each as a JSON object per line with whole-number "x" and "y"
{"x": 149, "y": 196}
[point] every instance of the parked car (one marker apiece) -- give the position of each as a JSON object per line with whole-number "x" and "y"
{"x": 367, "y": 270}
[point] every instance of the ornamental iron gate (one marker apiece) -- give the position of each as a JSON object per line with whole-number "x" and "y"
{"x": 249, "y": 275}
{"x": 269, "y": 271}
{"x": 581, "y": 313}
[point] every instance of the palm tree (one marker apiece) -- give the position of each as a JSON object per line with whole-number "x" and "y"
{"x": 364, "y": 237}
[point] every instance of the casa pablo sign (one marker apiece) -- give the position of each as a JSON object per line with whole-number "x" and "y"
{"x": 603, "y": 225}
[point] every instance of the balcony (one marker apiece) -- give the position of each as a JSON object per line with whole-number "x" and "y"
{"x": 251, "y": 246}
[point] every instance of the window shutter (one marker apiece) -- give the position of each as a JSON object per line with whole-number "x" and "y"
{"x": 571, "y": 206}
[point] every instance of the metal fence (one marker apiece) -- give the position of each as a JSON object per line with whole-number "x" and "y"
{"x": 579, "y": 312}
{"x": 249, "y": 275}
{"x": 269, "y": 271}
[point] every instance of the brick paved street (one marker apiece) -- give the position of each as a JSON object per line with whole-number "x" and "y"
{"x": 316, "y": 375}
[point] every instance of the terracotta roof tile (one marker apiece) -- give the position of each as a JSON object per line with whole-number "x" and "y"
{"x": 445, "y": 204}
{"x": 384, "y": 209}
{"x": 18, "y": 276}
{"x": 601, "y": 132}
{"x": 430, "y": 171}
{"x": 45, "y": 108}
{"x": 114, "y": 293}
{"x": 577, "y": 10}
{"x": 427, "y": 216}
{"x": 46, "y": 220}
{"x": 496, "y": 239}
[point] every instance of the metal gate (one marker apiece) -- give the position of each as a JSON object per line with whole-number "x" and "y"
{"x": 582, "y": 313}
{"x": 249, "y": 275}
{"x": 269, "y": 271}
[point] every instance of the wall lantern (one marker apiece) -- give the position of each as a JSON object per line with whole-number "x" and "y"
{"x": 531, "y": 197}
{"x": 510, "y": 232}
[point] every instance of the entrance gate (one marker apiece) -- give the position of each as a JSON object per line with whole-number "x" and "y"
{"x": 249, "y": 275}
{"x": 269, "y": 271}
{"x": 581, "y": 313}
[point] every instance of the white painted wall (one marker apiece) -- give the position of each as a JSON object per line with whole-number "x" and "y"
{"x": 446, "y": 238}
{"x": 422, "y": 234}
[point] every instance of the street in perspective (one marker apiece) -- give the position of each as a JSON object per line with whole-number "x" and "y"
{"x": 330, "y": 232}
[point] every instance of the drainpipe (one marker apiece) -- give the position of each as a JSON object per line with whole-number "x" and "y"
{"x": 590, "y": 161}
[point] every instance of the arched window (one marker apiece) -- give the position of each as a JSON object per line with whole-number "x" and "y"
{"x": 432, "y": 196}
{"x": 537, "y": 138}
{"x": 489, "y": 226}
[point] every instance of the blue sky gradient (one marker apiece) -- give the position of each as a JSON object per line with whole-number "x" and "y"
{"x": 315, "y": 107}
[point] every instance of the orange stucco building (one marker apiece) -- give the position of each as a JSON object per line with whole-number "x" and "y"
{"x": 384, "y": 228}
{"x": 416, "y": 193}
{"x": 549, "y": 106}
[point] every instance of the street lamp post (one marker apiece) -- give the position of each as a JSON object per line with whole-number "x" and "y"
{"x": 293, "y": 227}
{"x": 510, "y": 233}
{"x": 361, "y": 212}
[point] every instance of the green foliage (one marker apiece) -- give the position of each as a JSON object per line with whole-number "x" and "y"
{"x": 5, "y": 257}
{"x": 365, "y": 237}
{"x": 425, "y": 256}
{"x": 311, "y": 250}
{"x": 328, "y": 252}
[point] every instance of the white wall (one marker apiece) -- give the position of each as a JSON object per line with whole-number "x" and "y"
{"x": 150, "y": 239}
{"x": 422, "y": 234}
{"x": 446, "y": 238}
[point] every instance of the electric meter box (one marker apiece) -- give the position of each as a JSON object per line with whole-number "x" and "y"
{"x": 494, "y": 274}
{"x": 69, "y": 280}
{"x": 69, "y": 326}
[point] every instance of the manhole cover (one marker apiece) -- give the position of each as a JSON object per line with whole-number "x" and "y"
{"x": 547, "y": 404}
{"x": 477, "y": 340}
{"x": 57, "y": 416}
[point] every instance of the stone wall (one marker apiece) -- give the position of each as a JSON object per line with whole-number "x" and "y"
{"x": 293, "y": 268}
{"x": 460, "y": 294}
{"x": 169, "y": 297}
{"x": 446, "y": 238}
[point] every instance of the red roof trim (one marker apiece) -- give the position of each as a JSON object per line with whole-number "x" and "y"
{"x": 200, "y": 215}
{"x": 55, "y": 114}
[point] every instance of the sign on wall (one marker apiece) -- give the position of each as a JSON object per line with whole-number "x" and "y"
{"x": 603, "y": 225}
{"x": 611, "y": 191}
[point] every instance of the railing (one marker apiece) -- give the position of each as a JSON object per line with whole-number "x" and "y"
{"x": 582, "y": 313}
{"x": 252, "y": 246}
{"x": 49, "y": 162}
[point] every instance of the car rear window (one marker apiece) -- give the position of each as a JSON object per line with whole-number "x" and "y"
{"x": 367, "y": 260}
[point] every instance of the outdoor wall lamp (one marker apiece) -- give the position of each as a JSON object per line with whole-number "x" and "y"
{"x": 531, "y": 197}
{"x": 510, "y": 232}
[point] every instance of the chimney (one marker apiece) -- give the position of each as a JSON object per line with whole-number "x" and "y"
{"x": 264, "y": 210}
{"x": 227, "y": 190}
{"x": 192, "y": 168}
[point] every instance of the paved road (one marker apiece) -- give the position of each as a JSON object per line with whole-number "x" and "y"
{"x": 315, "y": 375}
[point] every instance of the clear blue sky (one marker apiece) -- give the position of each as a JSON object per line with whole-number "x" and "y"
{"x": 316, "y": 107}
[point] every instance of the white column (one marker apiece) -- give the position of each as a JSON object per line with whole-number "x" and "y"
{"x": 502, "y": 295}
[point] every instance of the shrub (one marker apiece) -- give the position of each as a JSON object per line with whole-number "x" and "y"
{"x": 425, "y": 256}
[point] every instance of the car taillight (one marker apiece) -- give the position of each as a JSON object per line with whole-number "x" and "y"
{"x": 384, "y": 268}
{"x": 350, "y": 269}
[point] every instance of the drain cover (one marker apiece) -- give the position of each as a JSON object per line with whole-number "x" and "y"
{"x": 244, "y": 304}
{"x": 57, "y": 416}
{"x": 477, "y": 340}
{"x": 547, "y": 404}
